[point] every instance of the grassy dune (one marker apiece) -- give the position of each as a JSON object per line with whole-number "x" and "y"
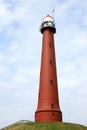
{"x": 47, "y": 126}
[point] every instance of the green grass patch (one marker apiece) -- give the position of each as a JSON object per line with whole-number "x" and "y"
{"x": 47, "y": 126}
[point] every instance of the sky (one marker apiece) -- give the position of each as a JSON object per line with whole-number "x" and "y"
{"x": 20, "y": 58}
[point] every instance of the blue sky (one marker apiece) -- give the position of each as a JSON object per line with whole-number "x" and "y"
{"x": 20, "y": 57}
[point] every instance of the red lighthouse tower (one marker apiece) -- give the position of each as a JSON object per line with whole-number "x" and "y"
{"x": 48, "y": 109}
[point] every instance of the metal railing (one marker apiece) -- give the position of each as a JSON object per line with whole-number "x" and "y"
{"x": 16, "y": 123}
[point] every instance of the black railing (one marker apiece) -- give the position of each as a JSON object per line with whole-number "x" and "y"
{"x": 16, "y": 123}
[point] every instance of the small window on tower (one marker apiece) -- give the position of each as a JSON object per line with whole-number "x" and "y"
{"x": 50, "y": 62}
{"x": 39, "y": 95}
{"x": 50, "y": 44}
{"x": 42, "y": 54}
{"x": 50, "y": 31}
{"x": 53, "y": 113}
{"x": 51, "y": 82}
{"x": 52, "y": 106}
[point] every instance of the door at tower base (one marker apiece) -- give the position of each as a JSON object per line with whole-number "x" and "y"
{"x": 48, "y": 116}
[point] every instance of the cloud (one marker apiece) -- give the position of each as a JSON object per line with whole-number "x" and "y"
{"x": 5, "y": 16}
{"x": 71, "y": 46}
{"x": 85, "y": 20}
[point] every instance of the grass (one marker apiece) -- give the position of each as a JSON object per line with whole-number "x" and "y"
{"x": 47, "y": 126}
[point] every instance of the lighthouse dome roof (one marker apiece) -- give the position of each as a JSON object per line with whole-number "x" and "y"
{"x": 48, "y": 18}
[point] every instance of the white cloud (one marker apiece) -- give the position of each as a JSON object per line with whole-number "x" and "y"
{"x": 5, "y": 16}
{"x": 85, "y": 20}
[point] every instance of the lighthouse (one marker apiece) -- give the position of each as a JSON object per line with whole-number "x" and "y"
{"x": 48, "y": 108}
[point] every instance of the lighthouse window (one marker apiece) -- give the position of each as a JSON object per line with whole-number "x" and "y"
{"x": 50, "y": 31}
{"x": 42, "y": 54}
{"x": 50, "y": 44}
{"x": 50, "y": 62}
{"x": 52, "y": 106}
{"x": 53, "y": 114}
{"x": 51, "y": 82}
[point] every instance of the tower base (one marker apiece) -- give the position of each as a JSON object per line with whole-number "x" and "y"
{"x": 48, "y": 116}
